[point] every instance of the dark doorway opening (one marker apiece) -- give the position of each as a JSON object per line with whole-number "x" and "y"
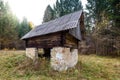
{"x": 47, "y": 52}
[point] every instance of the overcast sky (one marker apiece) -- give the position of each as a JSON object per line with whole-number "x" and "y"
{"x": 33, "y": 10}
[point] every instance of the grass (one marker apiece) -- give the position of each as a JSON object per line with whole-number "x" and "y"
{"x": 15, "y": 66}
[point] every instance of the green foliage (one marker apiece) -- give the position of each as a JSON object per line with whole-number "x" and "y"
{"x": 48, "y": 15}
{"x": 7, "y": 25}
{"x": 96, "y": 9}
{"x": 11, "y": 30}
{"x": 114, "y": 12}
{"x": 23, "y": 28}
{"x": 104, "y": 16}
{"x": 62, "y": 7}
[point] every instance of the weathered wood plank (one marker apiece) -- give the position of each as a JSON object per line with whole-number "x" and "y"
{"x": 70, "y": 41}
{"x": 46, "y": 41}
{"x": 59, "y": 39}
{"x": 82, "y": 26}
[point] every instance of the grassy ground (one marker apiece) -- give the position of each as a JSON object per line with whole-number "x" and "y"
{"x": 15, "y": 66}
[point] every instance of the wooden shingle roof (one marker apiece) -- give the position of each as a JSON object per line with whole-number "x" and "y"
{"x": 66, "y": 22}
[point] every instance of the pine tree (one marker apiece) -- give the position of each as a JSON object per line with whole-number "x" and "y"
{"x": 63, "y": 7}
{"x": 96, "y": 8}
{"x": 7, "y": 25}
{"x": 114, "y": 12}
{"x": 23, "y": 28}
{"x": 105, "y": 15}
{"x": 48, "y": 15}
{"x": 108, "y": 8}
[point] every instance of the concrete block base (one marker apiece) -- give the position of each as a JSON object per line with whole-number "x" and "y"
{"x": 32, "y": 53}
{"x": 63, "y": 58}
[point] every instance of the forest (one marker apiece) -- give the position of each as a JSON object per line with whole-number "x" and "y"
{"x": 101, "y": 18}
{"x": 11, "y": 29}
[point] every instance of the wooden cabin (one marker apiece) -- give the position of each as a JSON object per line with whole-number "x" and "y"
{"x": 65, "y": 31}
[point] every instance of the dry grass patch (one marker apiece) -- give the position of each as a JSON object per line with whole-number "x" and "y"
{"x": 15, "y": 66}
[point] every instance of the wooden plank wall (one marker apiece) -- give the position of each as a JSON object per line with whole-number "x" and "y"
{"x": 45, "y": 41}
{"x": 61, "y": 39}
{"x": 70, "y": 41}
{"x": 82, "y": 27}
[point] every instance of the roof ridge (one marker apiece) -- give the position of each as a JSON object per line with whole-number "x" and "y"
{"x": 60, "y": 17}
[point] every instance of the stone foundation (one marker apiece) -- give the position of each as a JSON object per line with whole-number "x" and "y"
{"x": 32, "y": 53}
{"x": 63, "y": 58}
